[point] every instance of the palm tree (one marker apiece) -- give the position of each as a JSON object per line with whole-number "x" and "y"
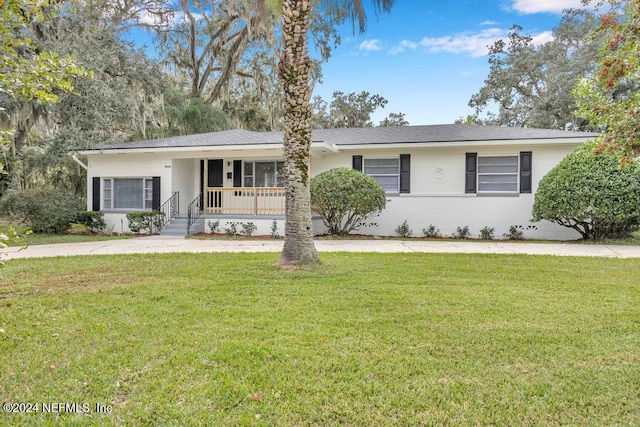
{"x": 294, "y": 72}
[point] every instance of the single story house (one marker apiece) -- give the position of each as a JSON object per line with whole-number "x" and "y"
{"x": 447, "y": 175}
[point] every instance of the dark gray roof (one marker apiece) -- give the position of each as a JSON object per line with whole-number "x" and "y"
{"x": 438, "y": 133}
{"x": 360, "y": 136}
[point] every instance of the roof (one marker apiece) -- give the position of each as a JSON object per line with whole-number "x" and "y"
{"x": 358, "y": 136}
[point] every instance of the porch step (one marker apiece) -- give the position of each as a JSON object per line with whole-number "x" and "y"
{"x": 178, "y": 227}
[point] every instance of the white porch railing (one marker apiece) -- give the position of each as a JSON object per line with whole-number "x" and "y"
{"x": 245, "y": 200}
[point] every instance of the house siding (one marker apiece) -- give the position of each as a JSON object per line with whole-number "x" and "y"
{"x": 437, "y": 176}
{"x": 438, "y": 195}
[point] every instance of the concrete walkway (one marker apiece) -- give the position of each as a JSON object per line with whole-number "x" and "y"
{"x": 170, "y": 244}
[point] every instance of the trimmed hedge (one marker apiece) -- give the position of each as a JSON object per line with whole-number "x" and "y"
{"x": 592, "y": 194}
{"x": 345, "y": 198}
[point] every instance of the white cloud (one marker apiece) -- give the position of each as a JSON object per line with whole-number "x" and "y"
{"x": 369, "y": 45}
{"x": 540, "y": 6}
{"x": 404, "y": 45}
{"x": 488, "y": 23}
{"x": 542, "y": 38}
{"x": 474, "y": 45}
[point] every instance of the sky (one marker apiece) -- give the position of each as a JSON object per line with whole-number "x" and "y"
{"x": 427, "y": 58}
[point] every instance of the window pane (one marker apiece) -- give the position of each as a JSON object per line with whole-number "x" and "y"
{"x": 503, "y": 164}
{"x": 498, "y": 174}
{"x": 389, "y": 183}
{"x": 128, "y": 193}
{"x": 148, "y": 194}
{"x": 248, "y": 168}
{"x": 279, "y": 174}
{"x": 381, "y": 166}
{"x": 265, "y": 174}
{"x": 106, "y": 193}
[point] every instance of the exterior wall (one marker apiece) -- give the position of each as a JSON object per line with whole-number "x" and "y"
{"x": 185, "y": 179}
{"x": 437, "y": 192}
{"x": 263, "y": 224}
{"x": 127, "y": 166}
{"x": 437, "y": 186}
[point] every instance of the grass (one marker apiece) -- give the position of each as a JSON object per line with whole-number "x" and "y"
{"x": 76, "y": 236}
{"x": 363, "y": 339}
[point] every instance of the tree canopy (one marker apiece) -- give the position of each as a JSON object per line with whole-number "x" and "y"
{"x": 529, "y": 84}
{"x": 610, "y": 99}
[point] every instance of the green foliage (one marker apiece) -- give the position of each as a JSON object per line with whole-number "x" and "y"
{"x": 431, "y": 231}
{"x": 26, "y": 71}
{"x": 231, "y": 228}
{"x": 515, "y": 233}
{"x": 462, "y": 233}
{"x": 542, "y": 99}
{"x": 94, "y": 221}
{"x": 611, "y": 99}
{"x": 274, "y": 229}
{"x": 145, "y": 220}
{"x": 344, "y": 198}
{"x": 403, "y": 230}
{"x": 592, "y": 194}
{"x": 200, "y": 118}
{"x": 248, "y": 228}
{"x": 44, "y": 210}
{"x": 347, "y": 110}
{"x": 487, "y": 233}
{"x": 10, "y": 237}
{"x": 394, "y": 119}
{"x": 214, "y": 226}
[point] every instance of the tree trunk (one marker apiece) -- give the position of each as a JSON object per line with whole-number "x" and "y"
{"x": 294, "y": 71}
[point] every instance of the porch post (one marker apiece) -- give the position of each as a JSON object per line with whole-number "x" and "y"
{"x": 205, "y": 179}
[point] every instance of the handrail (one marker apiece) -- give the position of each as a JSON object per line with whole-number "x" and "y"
{"x": 170, "y": 209}
{"x": 194, "y": 211}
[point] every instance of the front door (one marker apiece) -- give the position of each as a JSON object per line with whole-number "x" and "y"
{"x": 215, "y": 179}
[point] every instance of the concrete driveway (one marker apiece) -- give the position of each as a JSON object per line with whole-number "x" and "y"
{"x": 170, "y": 244}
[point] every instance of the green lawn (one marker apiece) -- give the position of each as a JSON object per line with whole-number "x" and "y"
{"x": 43, "y": 239}
{"x": 363, "y": 339}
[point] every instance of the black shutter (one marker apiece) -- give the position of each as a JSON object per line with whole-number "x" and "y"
{"x": 237, "y": 173}
{"x": 357, "y": 163}
{"x": 95, "y": 198}
{"x": 471, "y": 170}
{"x": 525, "y": 171}
{"x": 405, "y": 173}
{"x": 155, "y": 201}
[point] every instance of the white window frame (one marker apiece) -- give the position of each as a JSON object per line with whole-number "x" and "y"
{"x": 396, "y": 190}
{"x": 251, "y": 178}
{"x": 147, "y": 193}
{"x": 516, "y": 174}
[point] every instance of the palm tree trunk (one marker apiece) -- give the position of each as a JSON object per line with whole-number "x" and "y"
{"x": 294, "y": 71}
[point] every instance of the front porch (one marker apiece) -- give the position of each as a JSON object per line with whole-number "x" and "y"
{"x": 244, "y": 201}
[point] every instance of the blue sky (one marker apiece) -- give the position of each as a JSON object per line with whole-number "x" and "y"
{"x": 428, "y": 57}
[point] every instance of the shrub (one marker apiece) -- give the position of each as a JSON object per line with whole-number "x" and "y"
{"x": 403, "y": 229}
{"x": 431, "y": 231}
{"x": 591, "y": 193}
{"x": 274, "y": 229}
{"x": 462, "y": 233}
{"x": 248, "y": 228}
{"x": 515, "y": 233}
{"x": 43, "y": 210}
{"x": 214, "y": 226}
{"x": 345, "y": 198}
{"x": 145, "y": 220}
{"x": 231, "y": 228}
{"x": 94, "y": 221}
{"x": 486, "y": 233}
